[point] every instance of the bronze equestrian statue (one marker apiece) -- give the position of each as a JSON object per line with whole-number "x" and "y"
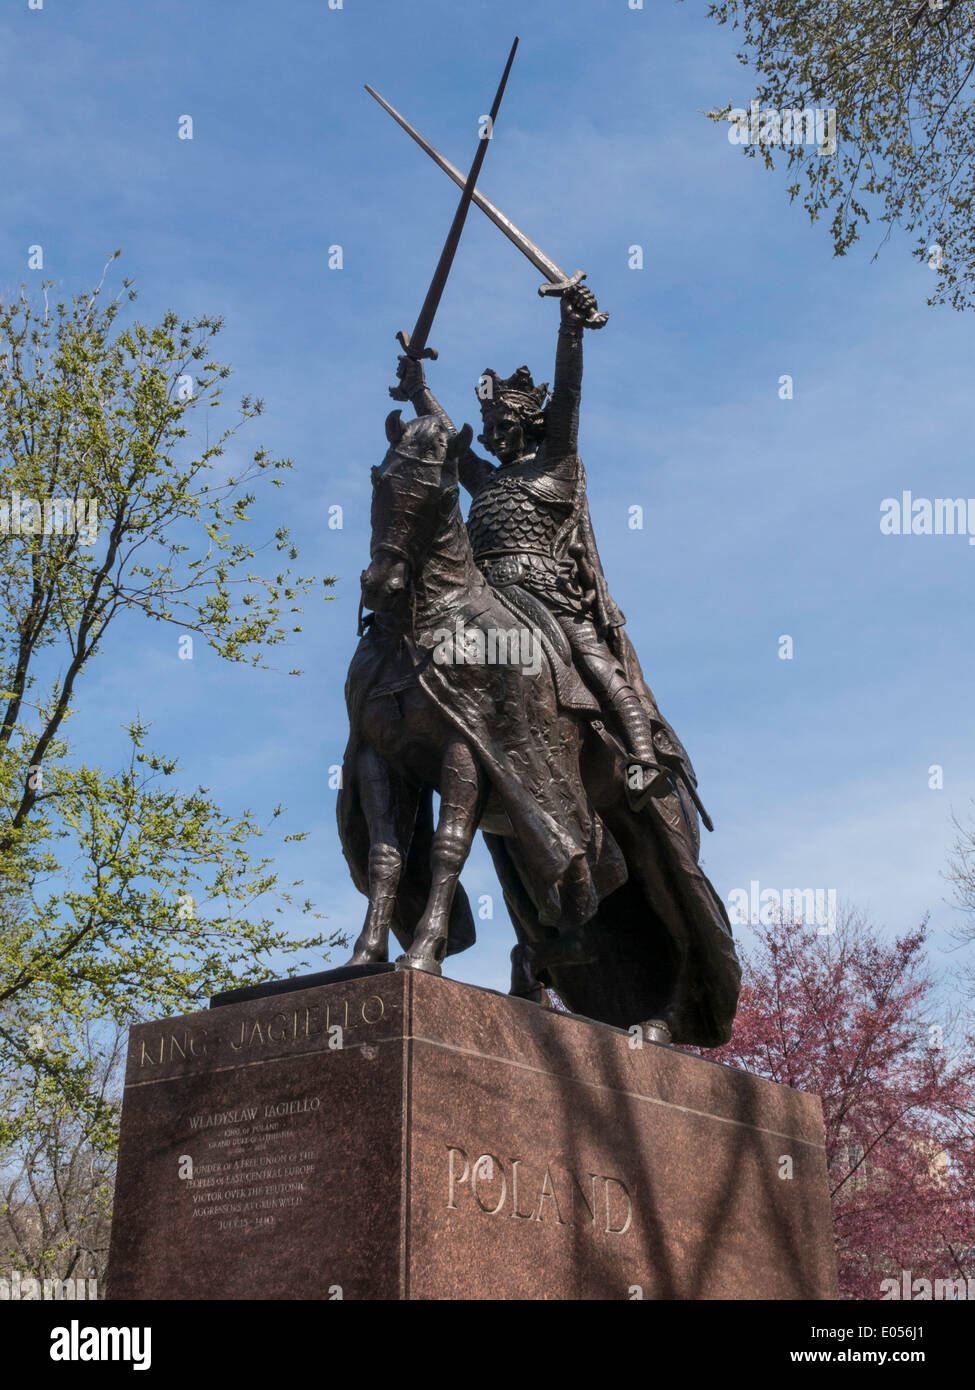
{"x": 495, "y": 668}
{"x": 599, "y": 863}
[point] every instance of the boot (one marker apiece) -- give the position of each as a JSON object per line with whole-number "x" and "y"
{"x": 645, "y": 777}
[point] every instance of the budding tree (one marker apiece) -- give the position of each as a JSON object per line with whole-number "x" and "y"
{"x": 127, "y": 891}
{"x": 899, "y": 74}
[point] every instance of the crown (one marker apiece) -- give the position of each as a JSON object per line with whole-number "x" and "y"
{"x": 513, "y": 395}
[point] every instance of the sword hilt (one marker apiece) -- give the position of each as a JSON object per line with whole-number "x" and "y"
{"x": 404, "y": 341}
{"x": 397, "y": 392}
{"x": 559, "y": 287}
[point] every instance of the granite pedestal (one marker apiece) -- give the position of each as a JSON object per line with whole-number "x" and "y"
{"x": 398, "y": 1136}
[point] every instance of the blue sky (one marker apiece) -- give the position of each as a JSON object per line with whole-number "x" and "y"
{"x": 761, "y": 515}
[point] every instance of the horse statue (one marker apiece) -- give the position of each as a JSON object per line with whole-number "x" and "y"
{"x": 452, "y": 690}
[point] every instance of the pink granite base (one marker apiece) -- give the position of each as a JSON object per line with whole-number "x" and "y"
{"x": 406, "y": 1137}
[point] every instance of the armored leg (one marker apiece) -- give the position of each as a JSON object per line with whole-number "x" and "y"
{"x": 645, "y": 775}
{"x": 605, "y": 677}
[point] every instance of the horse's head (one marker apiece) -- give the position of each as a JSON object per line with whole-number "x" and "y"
{"x": 413, "y": 489}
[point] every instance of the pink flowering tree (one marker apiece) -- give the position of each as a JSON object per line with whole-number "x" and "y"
{"x": 859, "y": 1021}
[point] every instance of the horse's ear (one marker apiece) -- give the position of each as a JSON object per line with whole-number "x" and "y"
{"x": 460, "y": 443}
{"x": 394, "y": 426}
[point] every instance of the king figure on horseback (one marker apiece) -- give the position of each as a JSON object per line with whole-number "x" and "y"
{"x": 584, "y": 795}
{"x": 532, "y": 536}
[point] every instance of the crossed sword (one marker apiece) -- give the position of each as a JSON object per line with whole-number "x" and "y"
{"x": 415, "y": 344}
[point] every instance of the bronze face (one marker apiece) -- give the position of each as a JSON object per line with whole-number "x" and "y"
{"x": 504, "y": 437}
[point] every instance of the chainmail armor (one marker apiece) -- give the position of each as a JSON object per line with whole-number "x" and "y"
{"x": 504, "y": 519}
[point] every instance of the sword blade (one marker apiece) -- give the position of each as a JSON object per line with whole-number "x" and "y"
{"x": 514, "y": 234}
{"x": 418, "y": 338}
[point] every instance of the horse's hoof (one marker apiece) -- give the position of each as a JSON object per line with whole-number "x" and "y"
{"x": 538, "y": 995}
{"x": 368, "y": 958}
{"x": 425, "y": 963}
{"x": 655, "y": 1030}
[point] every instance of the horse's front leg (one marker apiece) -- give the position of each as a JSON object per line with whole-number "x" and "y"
{"x": 389, "y": 806}
{"x": 463, "y": 790}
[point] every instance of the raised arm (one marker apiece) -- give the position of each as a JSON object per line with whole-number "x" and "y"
{"x": 562, "y": 414}
{"x": 472, "y": 470}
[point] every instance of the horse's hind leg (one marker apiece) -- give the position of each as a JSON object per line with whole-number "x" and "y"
{"x": 389, "y": 806}
{"x": 463, "y": 790}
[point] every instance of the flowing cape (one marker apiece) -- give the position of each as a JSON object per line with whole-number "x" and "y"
{"x": 664, "y": 938}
